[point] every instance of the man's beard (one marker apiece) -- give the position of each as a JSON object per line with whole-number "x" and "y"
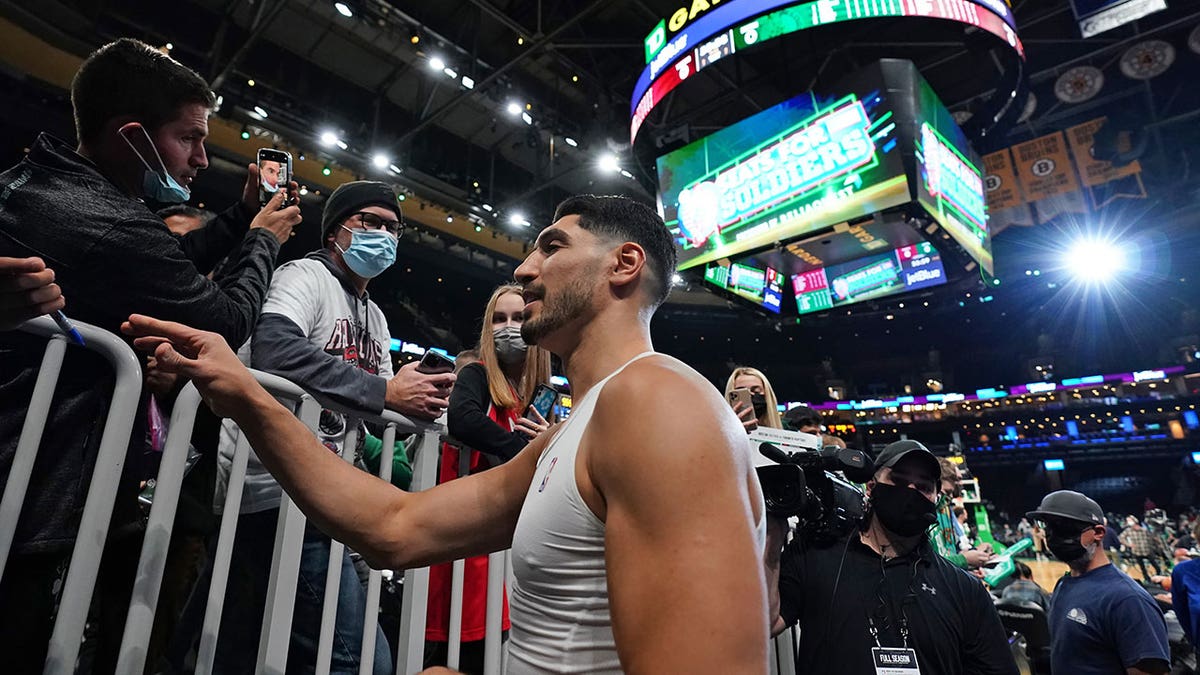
{"x": 558, "y": 310}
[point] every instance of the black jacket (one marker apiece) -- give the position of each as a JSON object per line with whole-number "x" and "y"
{"x": 832, "y": 590}
{"x": 467, "y": 417}
{"x": 112, "y": 257}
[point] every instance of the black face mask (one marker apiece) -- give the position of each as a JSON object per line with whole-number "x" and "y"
{"x": 902, "y": 510}
{"x": 1066, "y": 547}
{"x": 759, "y": 401}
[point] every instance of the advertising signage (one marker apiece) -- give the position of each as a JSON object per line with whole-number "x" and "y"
{"x": 763, "y": 287}
{"x": 721, "y": 29}
{"x": 798, "y": 167}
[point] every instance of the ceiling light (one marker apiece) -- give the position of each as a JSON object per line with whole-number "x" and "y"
{"x": 468, "y": 82}
{"x": 395, "y": 169}
{"x": 626, "y": 173}
{"x": 168, "y": 46}
{"x": 436, "y": 63}
{"x": 342, "y": 144}
{"x": 520, "y": 40}
{"x": 325, "y": 171}
{"x": 513, "y": 109}
{"x": 449, "y": 219}
{"x": 450, "y": 73}
{"x": 526, "y": 118}
{"x": 574, "y": 78}
{"x": 328, "y": 138}
{"x": 608, "y": 163}
{"x": 343, "y": 9}
{"x": 415, "y": 38}
{"x": 261, "y": 113}
{"x": 1094, "y": 260}
{"x": 479, "y": 228}
{"x": 245, "y": 133}
{"x": 518, "y": 218}
{"x": 380, "y": 161}
{"x": 487, "y": 207}
{"x": 250, "y": 83}
{"x": 571, "y": 142}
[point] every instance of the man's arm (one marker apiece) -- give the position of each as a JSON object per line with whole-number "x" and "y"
{"x": 391, "y": 528}
{"x": 206, "y": 246}
{"x": 1141, "y": 635}
{"x": 1180, "y": 599}
{"x": 685, "y": 568}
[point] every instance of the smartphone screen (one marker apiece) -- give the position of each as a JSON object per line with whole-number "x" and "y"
{"x": 274, "y": 173}
{"x": 543, "y": 401}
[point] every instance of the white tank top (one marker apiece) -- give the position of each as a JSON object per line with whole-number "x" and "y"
{"x": 559, "y": 597}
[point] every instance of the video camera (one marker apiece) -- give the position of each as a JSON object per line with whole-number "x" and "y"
{"x": 803, "y": 484}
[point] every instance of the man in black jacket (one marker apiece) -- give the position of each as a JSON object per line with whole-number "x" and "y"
{"x": 879, "y": 598}
{"x": 141, "y": 119}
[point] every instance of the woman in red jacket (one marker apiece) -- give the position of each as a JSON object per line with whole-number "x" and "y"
{"x": 489, "y": 413}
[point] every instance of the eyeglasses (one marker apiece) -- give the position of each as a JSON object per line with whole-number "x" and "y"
{"x": 371, "y": 221}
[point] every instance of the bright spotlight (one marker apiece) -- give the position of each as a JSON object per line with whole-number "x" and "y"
{"x": 1095, "y": 260}
{"x": 526, "y": 118}
{"x": 328, "y": 138}
{"x": 571, "y": 142}
{"x": 608, "y": 163}
{"x": 450, "y": 73}
{"x": 343, "y": 9}
{"x": 518, "y": 219}
{"x": 513, "y": 108}
{"x": 381, "y": 161}
{"x": 260, "y": 111}
{"x": 437, "y": 63}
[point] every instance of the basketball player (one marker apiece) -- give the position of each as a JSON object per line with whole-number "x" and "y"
{"x": 637, "y": 527}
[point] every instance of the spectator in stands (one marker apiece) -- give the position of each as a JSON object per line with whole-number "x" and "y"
{"x": 141, "y": 119}
{"x": 321, "y": 330}
{"x": 615, "y": 568}
{"x": 802, "y": 418}
{"x": 465, "y": 358}
{"x": 1143, "y": 546}
{"x": 764, "y": 408}
{"x": 181, "y": 218}
{"x": 490, "y": 413}
{"x": 27, "y": 289}
{"x": 1025, "y": 589}
{"x": 882, "y": 585}
{"x": 1101, "y": 621}
{"x": 1185, "y": 597}
{"x": 949, "y": 538}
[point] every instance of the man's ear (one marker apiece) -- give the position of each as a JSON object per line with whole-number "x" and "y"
{"x": 629, "y": 264}
{"x": 868, "y": 486}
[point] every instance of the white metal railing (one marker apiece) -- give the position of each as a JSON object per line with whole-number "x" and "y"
{"x": 110, "y": 459}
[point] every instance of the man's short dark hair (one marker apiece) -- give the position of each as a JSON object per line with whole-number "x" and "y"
{"x": 615, "y": 217}
{"x": 1023, "y": 570}
{"x": 130, "y": 78}
{"x": 184, "y": 210}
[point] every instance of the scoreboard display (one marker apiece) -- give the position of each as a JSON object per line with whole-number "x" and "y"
{"x": 904, "y": 269}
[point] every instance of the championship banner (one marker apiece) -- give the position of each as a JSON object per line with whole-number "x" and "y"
{"x": 1000, "y": 181}
{"x": 1044, "y": 167}
{"x": 1094, "y": 172}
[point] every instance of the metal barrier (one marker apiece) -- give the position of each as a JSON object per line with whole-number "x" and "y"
{"x": 110, "y": 459}
{"x": 277, "y": 620}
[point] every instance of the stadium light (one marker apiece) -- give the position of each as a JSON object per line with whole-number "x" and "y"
{"x": 436, "y": 63}
{"x": 329, "y": 139}
{"x": 1094, "y": 260}
{"x": 343, "y": 9}
{"x": 513, "y": 108}
{"x": 381, "y": 161}
{"x": 608, "y": 163}
{"x": 518, "y": 218}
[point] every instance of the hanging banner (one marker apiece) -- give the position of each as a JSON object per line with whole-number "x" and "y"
{"x": 1000, "y": 181}
{"x": 1044, "y": 167}
{"x": 1097, "y": 16}
{"x": 1094, "y": 172}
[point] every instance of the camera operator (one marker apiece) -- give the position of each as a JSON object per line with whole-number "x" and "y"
{"x": 879, "y": 597}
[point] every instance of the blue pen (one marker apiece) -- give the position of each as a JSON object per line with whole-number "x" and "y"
{"x": 65, "y": 324}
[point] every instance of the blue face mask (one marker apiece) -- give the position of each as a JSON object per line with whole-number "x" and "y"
{"x": 370, "y": 253}
{"x": 157, "y": 184}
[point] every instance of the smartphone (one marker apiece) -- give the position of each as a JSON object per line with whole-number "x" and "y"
{"x": 274, "y": 174}
{"x": 433, "y": 363}
{"x": 543, "y": 401}
{"x": 742, "y": 396}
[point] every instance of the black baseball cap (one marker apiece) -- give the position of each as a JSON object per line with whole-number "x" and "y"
{"x": 894, "y": 452}
{"x": 1070, "y": 505}
{"x": 800, "y": 416}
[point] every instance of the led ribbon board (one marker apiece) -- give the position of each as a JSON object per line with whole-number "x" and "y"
{"x": 745, "y": 23}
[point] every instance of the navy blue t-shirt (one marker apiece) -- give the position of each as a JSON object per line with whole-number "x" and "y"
{"x": 1102, "y": 623}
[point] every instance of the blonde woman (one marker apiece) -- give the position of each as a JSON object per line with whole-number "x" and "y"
{"x": 763, "y": 410}
{"x": 490, "y": 413}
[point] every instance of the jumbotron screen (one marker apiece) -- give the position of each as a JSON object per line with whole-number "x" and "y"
{"x": 800, "y": 166}
{"x": 950, "y": 184}
{"x": 904, "y": 269}
{"x": 763, "y": 287}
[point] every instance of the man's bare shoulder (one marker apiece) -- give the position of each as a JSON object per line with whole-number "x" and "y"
{"x": 661, "y": 397}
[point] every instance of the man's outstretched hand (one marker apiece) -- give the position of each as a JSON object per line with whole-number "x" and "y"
{"x": 224, "y": 383}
